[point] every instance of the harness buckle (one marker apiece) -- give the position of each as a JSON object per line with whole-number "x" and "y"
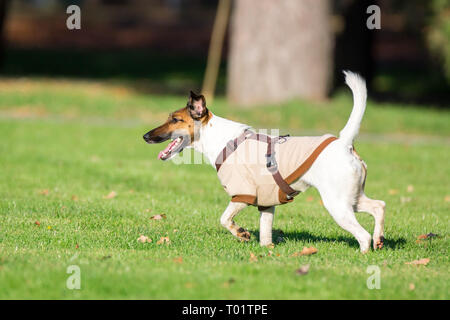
{"x": 271, "y": 163}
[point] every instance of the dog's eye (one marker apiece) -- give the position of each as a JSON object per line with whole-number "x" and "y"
{"x": 175, "y": 120}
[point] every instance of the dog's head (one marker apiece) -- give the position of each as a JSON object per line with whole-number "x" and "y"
{"x": 181, "y": 127}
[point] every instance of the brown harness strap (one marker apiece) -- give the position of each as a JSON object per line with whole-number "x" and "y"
{"x": 271, "y": 164}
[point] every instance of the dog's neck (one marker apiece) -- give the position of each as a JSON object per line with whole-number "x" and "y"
{"x": 214, "y": 135}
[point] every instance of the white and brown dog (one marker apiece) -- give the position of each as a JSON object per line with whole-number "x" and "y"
{"x": 332, "y": 166}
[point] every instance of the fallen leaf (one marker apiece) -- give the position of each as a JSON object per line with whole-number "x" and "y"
{"x": 309, "y": 199}
{"x": 44, "y": 192}
{"x": 144, "y": 239}
{"x": 175, "y": 230}
{"x": 77, "y": 246}
{"x": 253, "y": 257}
{"x": 305, "y": 252}
{"x": 423, "y": 262}
{"x": 302, "y": 270}
{"x": 165, "y": 240}
{"x": 147, "y": 210}
{"x": 230, "y": 281}
{"x": 410, "y": 188}
{"x": 37, "y": 223}
{"x": 427, "y": 236}
{"x": 178, "y": 260}
{"x": 412, "y": 286}
{"x": 447, "y": 199}
{"x": 74, "y": 198}
{"x": 393, "y": 191}
{"x": 321, "y": 202}
{"x": 158, "y": 217}
{"x": 110, "y": 195}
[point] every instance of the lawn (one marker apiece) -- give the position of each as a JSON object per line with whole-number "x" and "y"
{"x": 66, "y": 145}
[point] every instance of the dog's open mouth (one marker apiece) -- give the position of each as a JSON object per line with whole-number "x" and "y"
{"x": 174, "y": 147}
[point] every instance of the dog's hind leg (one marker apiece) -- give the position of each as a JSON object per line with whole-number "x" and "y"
{"x": 376, "y": 209}
{"x": 265, "y": 226}
{"x": 345, "y": 217}
{"x": 226, "y": 220}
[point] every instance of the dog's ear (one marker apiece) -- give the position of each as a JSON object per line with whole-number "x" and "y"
{"x": 197, "y": 105}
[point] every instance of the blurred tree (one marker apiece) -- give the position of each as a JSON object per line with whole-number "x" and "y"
{"x": 439, "y": 32}
{"x": 215, "y": 49}
{"x": 354, "y": 45}
{"x": 4, "y": 4}
{"x": 279, "y": 50}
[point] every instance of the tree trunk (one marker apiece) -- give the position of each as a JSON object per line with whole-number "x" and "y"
{"x": 279, "y": 50}
{"x": 3, "y": 13}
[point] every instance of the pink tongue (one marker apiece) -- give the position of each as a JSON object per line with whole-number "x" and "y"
{"x": 160, "y": 154}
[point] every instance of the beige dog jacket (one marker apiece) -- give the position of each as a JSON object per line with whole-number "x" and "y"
{"x": 244, "y": 173}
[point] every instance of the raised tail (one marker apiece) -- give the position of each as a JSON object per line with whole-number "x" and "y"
{"x": 358, "y": 87}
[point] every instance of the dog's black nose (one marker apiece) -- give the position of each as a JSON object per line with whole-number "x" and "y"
{"x": 146, "y": 137}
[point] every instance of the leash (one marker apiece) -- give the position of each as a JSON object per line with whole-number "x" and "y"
{"x": 271, "y": 162}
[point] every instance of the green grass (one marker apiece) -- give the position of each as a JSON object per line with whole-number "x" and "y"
{"x": 83, "y": 139}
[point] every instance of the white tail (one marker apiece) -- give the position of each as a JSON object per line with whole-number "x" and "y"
{"x": 358, "y": 87}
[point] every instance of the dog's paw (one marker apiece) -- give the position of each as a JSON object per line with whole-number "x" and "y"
{"x": 243, "y": 234}
{"x": 378, "y": 243}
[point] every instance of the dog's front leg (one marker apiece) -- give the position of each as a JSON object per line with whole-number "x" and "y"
{"x": 227, "y": 220}
{"x": 265, "y": 226}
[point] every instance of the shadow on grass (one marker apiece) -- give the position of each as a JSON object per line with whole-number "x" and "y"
{"x": 304, "y": 236}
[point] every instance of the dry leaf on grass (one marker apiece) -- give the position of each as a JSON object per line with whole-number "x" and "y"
{"x": 423, "y": 262}
{"x": 37, "y": 223}
{"x": 158, "y": 217}
{"x": 44, "y": 192}
{"x": 309, "y": 198}
{"x": 253, "y": 257}
{"x": 74, "y": 198}
{"x": 410, "y": 188}
{"x": 302, "y": 270}
{"x": 77, "y": 246}
{"x": 228, "y": 283}
{"x": 305, "y": 252}
{"x": 178, "y": 260}
{"x": 412, "y": 286}
{"x": 144, "y": 239}
{"x": 110, "y": 195}
{"x": 427, "y": 236}
{"x": 447, "y": 199}
{"x": 393, "y": 191}
{"x": 165, "y": 240}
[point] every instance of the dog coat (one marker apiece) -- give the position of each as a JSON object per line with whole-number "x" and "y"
{"x": 257, "y": 169}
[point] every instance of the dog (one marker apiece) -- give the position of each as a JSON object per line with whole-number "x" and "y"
{"x": 332, "y": 166}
